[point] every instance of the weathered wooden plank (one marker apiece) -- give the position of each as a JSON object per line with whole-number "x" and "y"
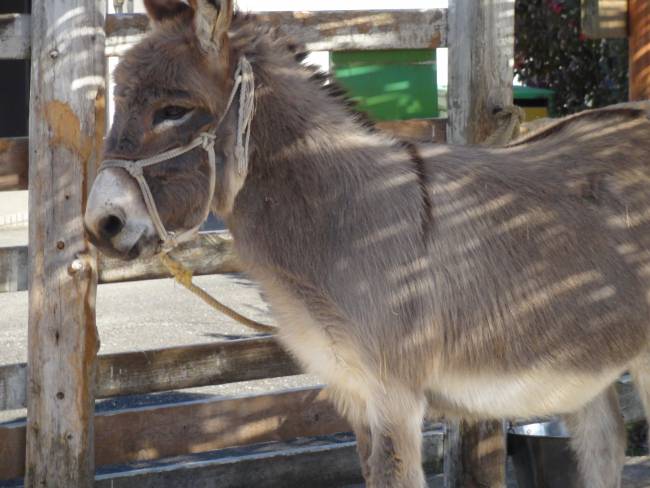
{"x": 12, "y": 436}
{"x": 210, "y": 253}
{"x": 13, "y": 268}
{"x": 318, "y": 31}
{"x": 13, "y": 386}
{"x": 14, "y": 152}
{"x": 65, "y": 138}
{"x": 14, "y": 157}
{"x": 168, "y": 369}
{"x": 416, "y": 130}
{"x": 481, "y": 50}
{"x": 322, "y": 31}
{"x": 147, "y": 433}
{"x": 639, "y": 45}
{"x": 313, "y": 463}
{"x": 191, "y": 366}
{"x": 14, "y": 36}
{"x": 475, "y": 456}
{"x": 603, "y": 18}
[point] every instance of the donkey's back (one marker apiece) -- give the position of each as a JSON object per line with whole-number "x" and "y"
{"x": 541, "y": 263}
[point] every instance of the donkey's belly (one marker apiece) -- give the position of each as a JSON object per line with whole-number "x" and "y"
{"x": 530, "y": 393}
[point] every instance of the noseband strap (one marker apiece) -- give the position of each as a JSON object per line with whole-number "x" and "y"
{"x": 244, "y": 83}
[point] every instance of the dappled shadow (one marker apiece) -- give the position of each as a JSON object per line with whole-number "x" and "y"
{"x": 420, "y": 264}
{"x": 201, "y": 423}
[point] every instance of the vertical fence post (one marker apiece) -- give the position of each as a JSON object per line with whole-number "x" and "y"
{"x": 639, "y": 26}
{"x": 65, "y": 136}
{"x": 481, "y": 50}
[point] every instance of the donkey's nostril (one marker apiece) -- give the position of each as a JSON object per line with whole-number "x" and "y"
{"x": 110, "y": 226}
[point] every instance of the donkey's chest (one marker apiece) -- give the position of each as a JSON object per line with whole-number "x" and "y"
{"x": 320, "y": 346}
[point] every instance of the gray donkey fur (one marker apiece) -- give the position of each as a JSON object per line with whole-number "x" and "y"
{"x": 487, "y": 283}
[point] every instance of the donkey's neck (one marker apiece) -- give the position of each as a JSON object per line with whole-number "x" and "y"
{"x": 296, "y": 117}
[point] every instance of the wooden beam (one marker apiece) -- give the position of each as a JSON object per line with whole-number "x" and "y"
{"x": 13, "y": 268}
{"x": 153, "y": 432}
{"x": 65, "y": 138}
{"x": 210, "y": 253}
{"x": 14, "y": 157}
{"x": 15, "y": 36}
{"x": 601, "y": 19}
{"x": 14, "y": 151}
{"x": 329, "y": 461}
{"x": 242, "y": 422}
{"x": 639, "y": 49}
{"x": 318, "y": 31}
{"x": 168, "y": 369}
{"x": 475, "y": 456}
{"x": 481, "y": 51}
{"x": 192, "y": 366}
{"x": 321, "y": 31}
{"x": 416, "y": 130}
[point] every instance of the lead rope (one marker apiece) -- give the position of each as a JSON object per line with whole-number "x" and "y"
{"x": 245, "y": 82}
{"x": 184, "y": 277}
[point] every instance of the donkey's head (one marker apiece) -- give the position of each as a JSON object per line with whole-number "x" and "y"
{"x": 176, "y": 120}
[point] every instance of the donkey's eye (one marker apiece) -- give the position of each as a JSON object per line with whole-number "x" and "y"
{"x": 170, "y": 112}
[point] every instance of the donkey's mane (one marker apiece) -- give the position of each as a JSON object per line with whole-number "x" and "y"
{"x": 263, "y": 43}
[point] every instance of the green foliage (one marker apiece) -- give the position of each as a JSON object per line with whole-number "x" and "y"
{"x": 550, "y": 52}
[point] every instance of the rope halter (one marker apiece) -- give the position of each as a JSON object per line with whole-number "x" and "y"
{"x": 245, "y": 84}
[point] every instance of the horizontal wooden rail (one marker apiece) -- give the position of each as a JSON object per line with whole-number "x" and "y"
{"x": 153, "y": 432}
{"x": 307, "y": 462}
{"x": 416, "y": 130}
{"x": 210, "y": 253}
{"x": 169, "y": 369}
{"x": 318, "y": 31}
{"x": 14, "y": 157}
{"x": 14, "y": 154}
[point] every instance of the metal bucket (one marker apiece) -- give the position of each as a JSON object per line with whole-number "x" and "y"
{"x": 542, "y": 456}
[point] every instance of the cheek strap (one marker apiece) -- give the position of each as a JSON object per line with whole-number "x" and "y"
{"x": 135, "y": 169}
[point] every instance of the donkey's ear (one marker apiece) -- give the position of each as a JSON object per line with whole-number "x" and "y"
{"x": 160, "y": 10}
{"x": 212, "y": 20}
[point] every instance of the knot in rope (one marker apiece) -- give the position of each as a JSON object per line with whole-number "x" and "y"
{"x": 135, "y": 171}
{"x": 178, "y": 271}
{"x": 207, "y": 141}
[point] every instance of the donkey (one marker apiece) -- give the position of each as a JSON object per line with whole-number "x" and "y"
{"x": 488, "y": 283}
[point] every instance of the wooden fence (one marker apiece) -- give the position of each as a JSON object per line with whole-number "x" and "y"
{"x": 67, "y": 41}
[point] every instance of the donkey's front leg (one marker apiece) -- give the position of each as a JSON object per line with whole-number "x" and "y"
{"x": 351, "y": 406}
{"x": 395, "y": 418}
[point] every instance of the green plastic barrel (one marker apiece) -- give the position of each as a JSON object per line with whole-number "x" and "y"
{"x": 389, "y": 84}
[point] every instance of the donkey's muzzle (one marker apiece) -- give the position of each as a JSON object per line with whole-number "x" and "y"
{"x": 116, "y": 219}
